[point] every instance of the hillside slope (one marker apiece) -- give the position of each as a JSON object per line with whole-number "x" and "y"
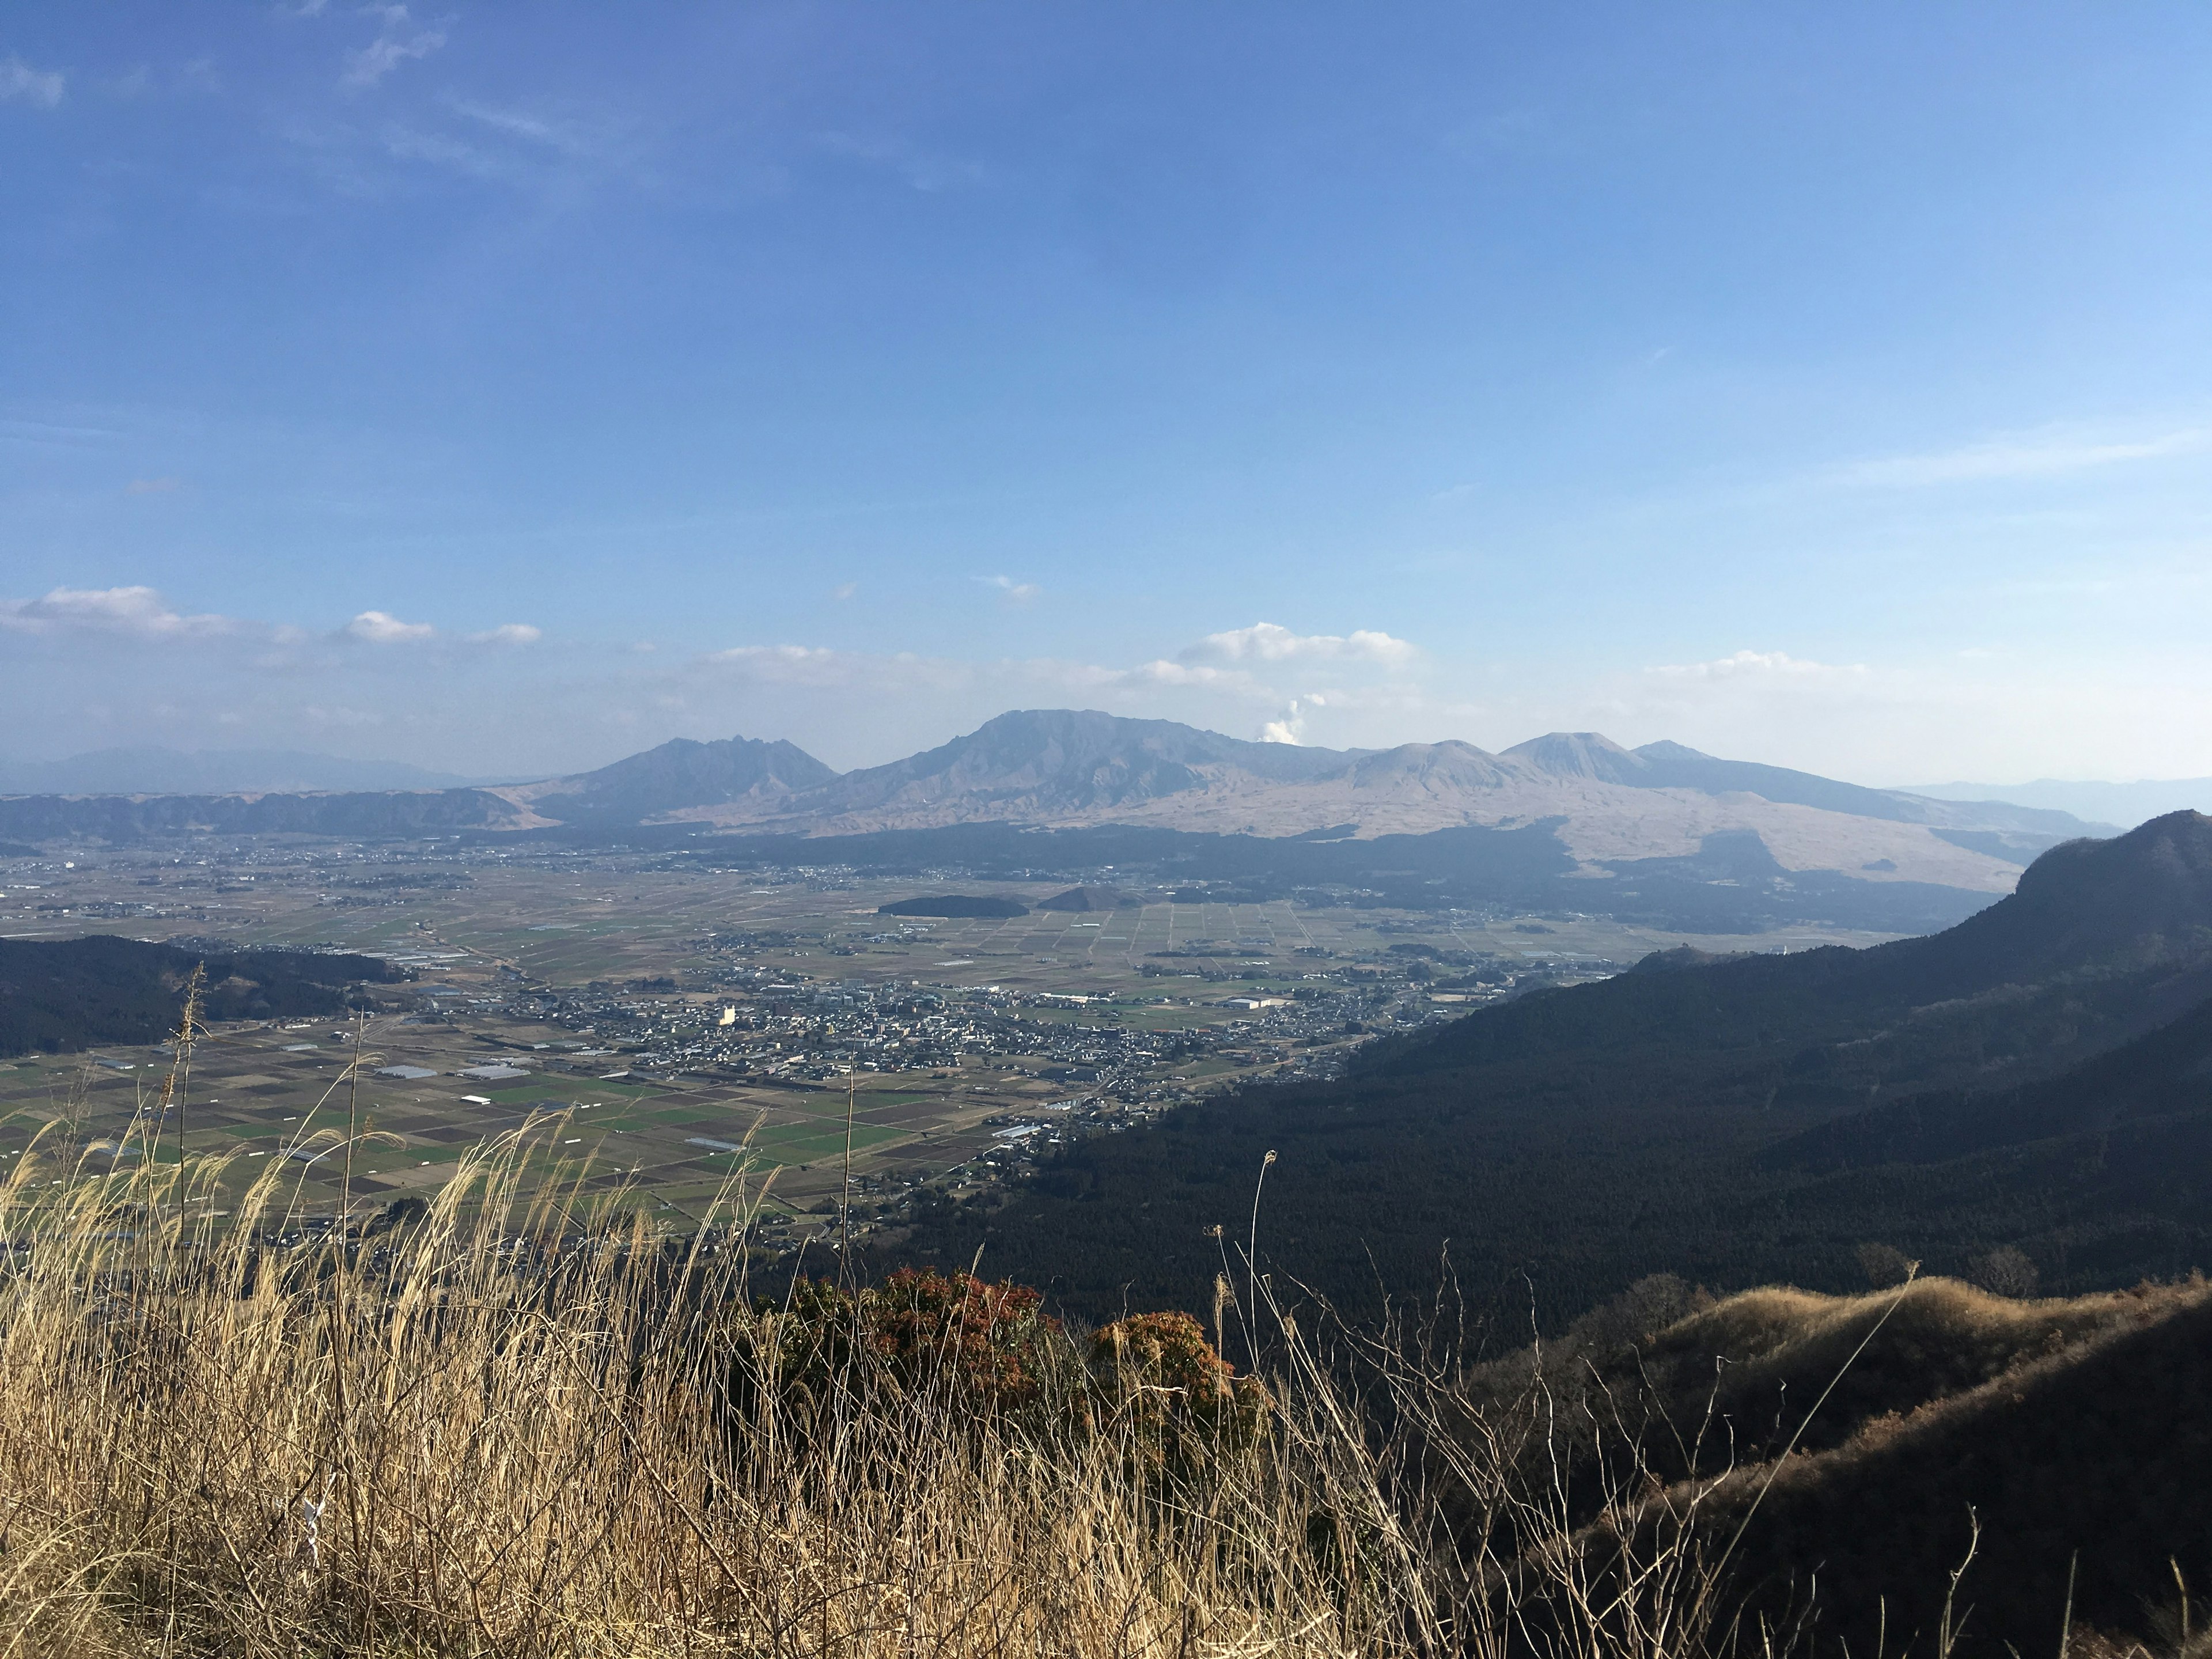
{"x": 2087, "y": 1468}
{"x": 60, "y": 996}
{"x": 2076, "y": 1431}
{"x": 1581, "y": 1139}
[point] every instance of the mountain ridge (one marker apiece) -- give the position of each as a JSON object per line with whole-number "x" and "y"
{"x": 1065, "y": 769}
{"x": 151, "y": 769}
{"x": 1617, "y": 813}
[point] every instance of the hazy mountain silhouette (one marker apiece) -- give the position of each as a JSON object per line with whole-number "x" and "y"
{"x": 156, "y": 771}
{"x": 680, "y": 773}
{"x": 2125, "y": 804}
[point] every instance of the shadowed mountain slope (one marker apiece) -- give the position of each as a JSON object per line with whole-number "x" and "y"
{"x": 2077, "y": 1432}
{"x": 58, "y": 996}
{"x": 1580, "y": 1138}
{"x": 2091, "y": 1464}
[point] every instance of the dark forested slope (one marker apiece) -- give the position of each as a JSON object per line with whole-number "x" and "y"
{"x": 61, "y": 995}
{"x": 1662, "y": 1120}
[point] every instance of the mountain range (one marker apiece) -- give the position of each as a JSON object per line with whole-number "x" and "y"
{"x": 1080, "y": 768}
{"x": 2125, "y": 805}
{"x": 1065, "y": 769}
{"x": 1601, "y": 812}
{"x": 2039, "y": 1076}
{"x": 155, "y": 771}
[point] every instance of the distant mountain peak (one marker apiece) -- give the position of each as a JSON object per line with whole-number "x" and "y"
{"x": 681, "y": 773}
{"x": 1580, "y": 755}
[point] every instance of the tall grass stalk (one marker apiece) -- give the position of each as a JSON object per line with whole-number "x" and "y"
{"x": 507, "y": 1427}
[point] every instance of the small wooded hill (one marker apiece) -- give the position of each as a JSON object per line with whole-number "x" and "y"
{"x": 60, "y": 996}
{"x": 2076, "y": 1431}
{"x": 1736, "y": 1122}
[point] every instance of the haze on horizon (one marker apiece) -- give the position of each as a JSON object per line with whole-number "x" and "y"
{"x": 502, "y": 391}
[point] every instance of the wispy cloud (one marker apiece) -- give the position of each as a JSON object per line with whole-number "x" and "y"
{"x": 398, "y": 43}
{"x": 578, "y": 139}
{"x": 135, "y": 612}
{"x": 1016, "y": 592}
{"x": 1268, "y": 641}
{"x": 1755, "y": 665}
{"x": 20, "y": 83}
{"x": 2045, "y": 454}
{"x": 523, "y": 148}
{"x": 408, "y": 144}
{"x": 48, "y": 432}
{"x": 153, "y": 486}
{"x": 508, "y": 634}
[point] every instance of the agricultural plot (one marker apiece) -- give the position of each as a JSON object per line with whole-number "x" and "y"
{"x": 490, "y": 935}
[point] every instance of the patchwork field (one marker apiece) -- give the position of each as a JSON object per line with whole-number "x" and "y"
{"x": 506, "y": 948}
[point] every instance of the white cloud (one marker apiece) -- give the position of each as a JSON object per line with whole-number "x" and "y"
{"x": 18, "y": 80}
{"x": 139, "y": 612}
{"x": 1746, "y": 664}
{"x": 2044, "y": 454}
{"x": 790, "y": 665}
{"x": 382, "y": 627}
{"x": 844, "y": 590}
{"x": 1016, "y": 592}
{"x": 508, "y": 634}
{"x": 1269, "y": 642}
{"x": 392, "y": 47}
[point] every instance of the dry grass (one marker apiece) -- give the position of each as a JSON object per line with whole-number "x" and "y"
{"x": 507, "y": 1428}
{"x": 522, "y": 1425}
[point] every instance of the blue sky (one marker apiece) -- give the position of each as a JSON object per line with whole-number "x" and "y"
{"x": 506, "y": 388}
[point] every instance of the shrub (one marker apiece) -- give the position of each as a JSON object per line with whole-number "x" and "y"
{"x": 988, "y": 1346}
{"x": 1159, "y": 1374}
{"x": 1884, "y": 1265}
{"x": 2005, "y": 1271}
